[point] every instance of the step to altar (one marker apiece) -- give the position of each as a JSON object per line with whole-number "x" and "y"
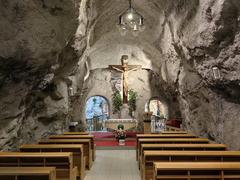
{"x": 107, "y": 141}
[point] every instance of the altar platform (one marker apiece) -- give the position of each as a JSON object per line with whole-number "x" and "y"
{"x": 107, "y": 140}
{"x": 128, "y": 123}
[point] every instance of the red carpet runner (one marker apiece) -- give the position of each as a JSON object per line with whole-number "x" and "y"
{"x": 108, "y": 139}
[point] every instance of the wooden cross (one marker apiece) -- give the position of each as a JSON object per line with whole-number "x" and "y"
{"x": 125, "y": 68}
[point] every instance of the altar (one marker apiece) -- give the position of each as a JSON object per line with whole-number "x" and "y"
{"x": 128, "y": 123}
{"x": 126, "y": 117}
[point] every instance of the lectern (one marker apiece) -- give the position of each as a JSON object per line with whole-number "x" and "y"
{"x": 147, "y": 122}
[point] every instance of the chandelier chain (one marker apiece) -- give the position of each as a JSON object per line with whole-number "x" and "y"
{"x": 130, "y": 3}
{"x": 131, "y": 21}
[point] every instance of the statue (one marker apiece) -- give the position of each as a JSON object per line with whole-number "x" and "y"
{"x": 125, "y": 68}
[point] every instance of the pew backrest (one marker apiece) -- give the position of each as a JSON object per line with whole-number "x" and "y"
{"x": 91, "y": 137}
{"x": 179, "y": 147}
{"x": 200, "y": 170}
{"x": 168, "y": 141}
{"x": 85, "y": 142}
{"x": 182, "y": 147}
{"x": 76, "y": 149}
{"x": 150, "y": 157}
{"x": 151, "y": 136}
{"x": 165, "y": 136}
{"x": 36, "y": 173}
{"x": 62, "y": 161}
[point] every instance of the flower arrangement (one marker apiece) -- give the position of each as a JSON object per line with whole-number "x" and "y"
{"x": 120, "y": 133}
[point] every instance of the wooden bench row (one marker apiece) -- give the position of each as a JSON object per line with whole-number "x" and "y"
{"x": 68, "y": 156}
{"x": 87, "y": 151}
{"x": 180, "y": 156}
{"x": 169, "y": 140}
{"x": 78, "y": 136}
{"x": 154, "y": 156}
{"x": 27, "y": 173}
{"x": 179, "y": 147}
{"x": 163, "y": 135}
{"x": 77, "y": 149}
{"x": 62, "y": 161}
{"x": 197, "y": 171}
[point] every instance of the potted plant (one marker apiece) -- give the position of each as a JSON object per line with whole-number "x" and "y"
{"x": 162, "y": 116}
{"x": 117, "y": 102}
{"x": 120, "y": 135}
{"x": 132, "y": 101}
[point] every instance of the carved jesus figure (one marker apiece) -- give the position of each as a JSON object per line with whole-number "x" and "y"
{"x": 125, "y": 68}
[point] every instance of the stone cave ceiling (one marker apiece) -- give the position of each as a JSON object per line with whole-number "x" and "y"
{"x": 108, "y": 45}
{"x": 45, "y": 44}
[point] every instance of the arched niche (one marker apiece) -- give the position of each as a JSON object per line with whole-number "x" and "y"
{"x": 158, "y": 106}
{"x": 96, "y": 112}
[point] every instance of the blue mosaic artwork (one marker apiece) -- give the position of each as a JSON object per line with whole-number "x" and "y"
{"x": 96, "y": 106}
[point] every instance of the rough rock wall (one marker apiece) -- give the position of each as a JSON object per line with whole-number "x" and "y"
{"x": 45, "y": 46}
{"x": 195, "y": 37}
{"x": 41, "y": 45}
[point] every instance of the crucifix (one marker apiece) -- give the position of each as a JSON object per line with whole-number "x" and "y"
{"x": 125, "y": 68}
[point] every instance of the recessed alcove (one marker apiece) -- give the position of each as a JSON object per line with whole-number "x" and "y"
{"x": 96, "y": 112}
{"x": 72, "y": 43}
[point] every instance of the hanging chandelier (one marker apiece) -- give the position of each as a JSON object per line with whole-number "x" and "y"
{"x": 131, "y": 21}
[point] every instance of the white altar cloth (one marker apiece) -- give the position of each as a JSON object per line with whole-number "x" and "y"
{"x": 128, "y": 123}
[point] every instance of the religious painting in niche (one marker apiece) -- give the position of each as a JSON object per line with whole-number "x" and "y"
{"x": 96, "y": 112}
{"x": 158, "y": 117}
{"x": 157, "y": 108}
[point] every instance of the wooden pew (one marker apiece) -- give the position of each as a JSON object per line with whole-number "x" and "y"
{"x": 76, "y": 133}
{"x": 27, "y": 173}
{"x": 196, "y": 171}
{"x": 91, "y": 137}
{"x": 168, "y": 141}
{"x": 138, "y": 136}
{"x": 76, "y": 149}
{"x": 149, "y": 157}
{"x": 179, "y": 147}
{"x": 87, "y": 151}
{"x": 62, "y": 161}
